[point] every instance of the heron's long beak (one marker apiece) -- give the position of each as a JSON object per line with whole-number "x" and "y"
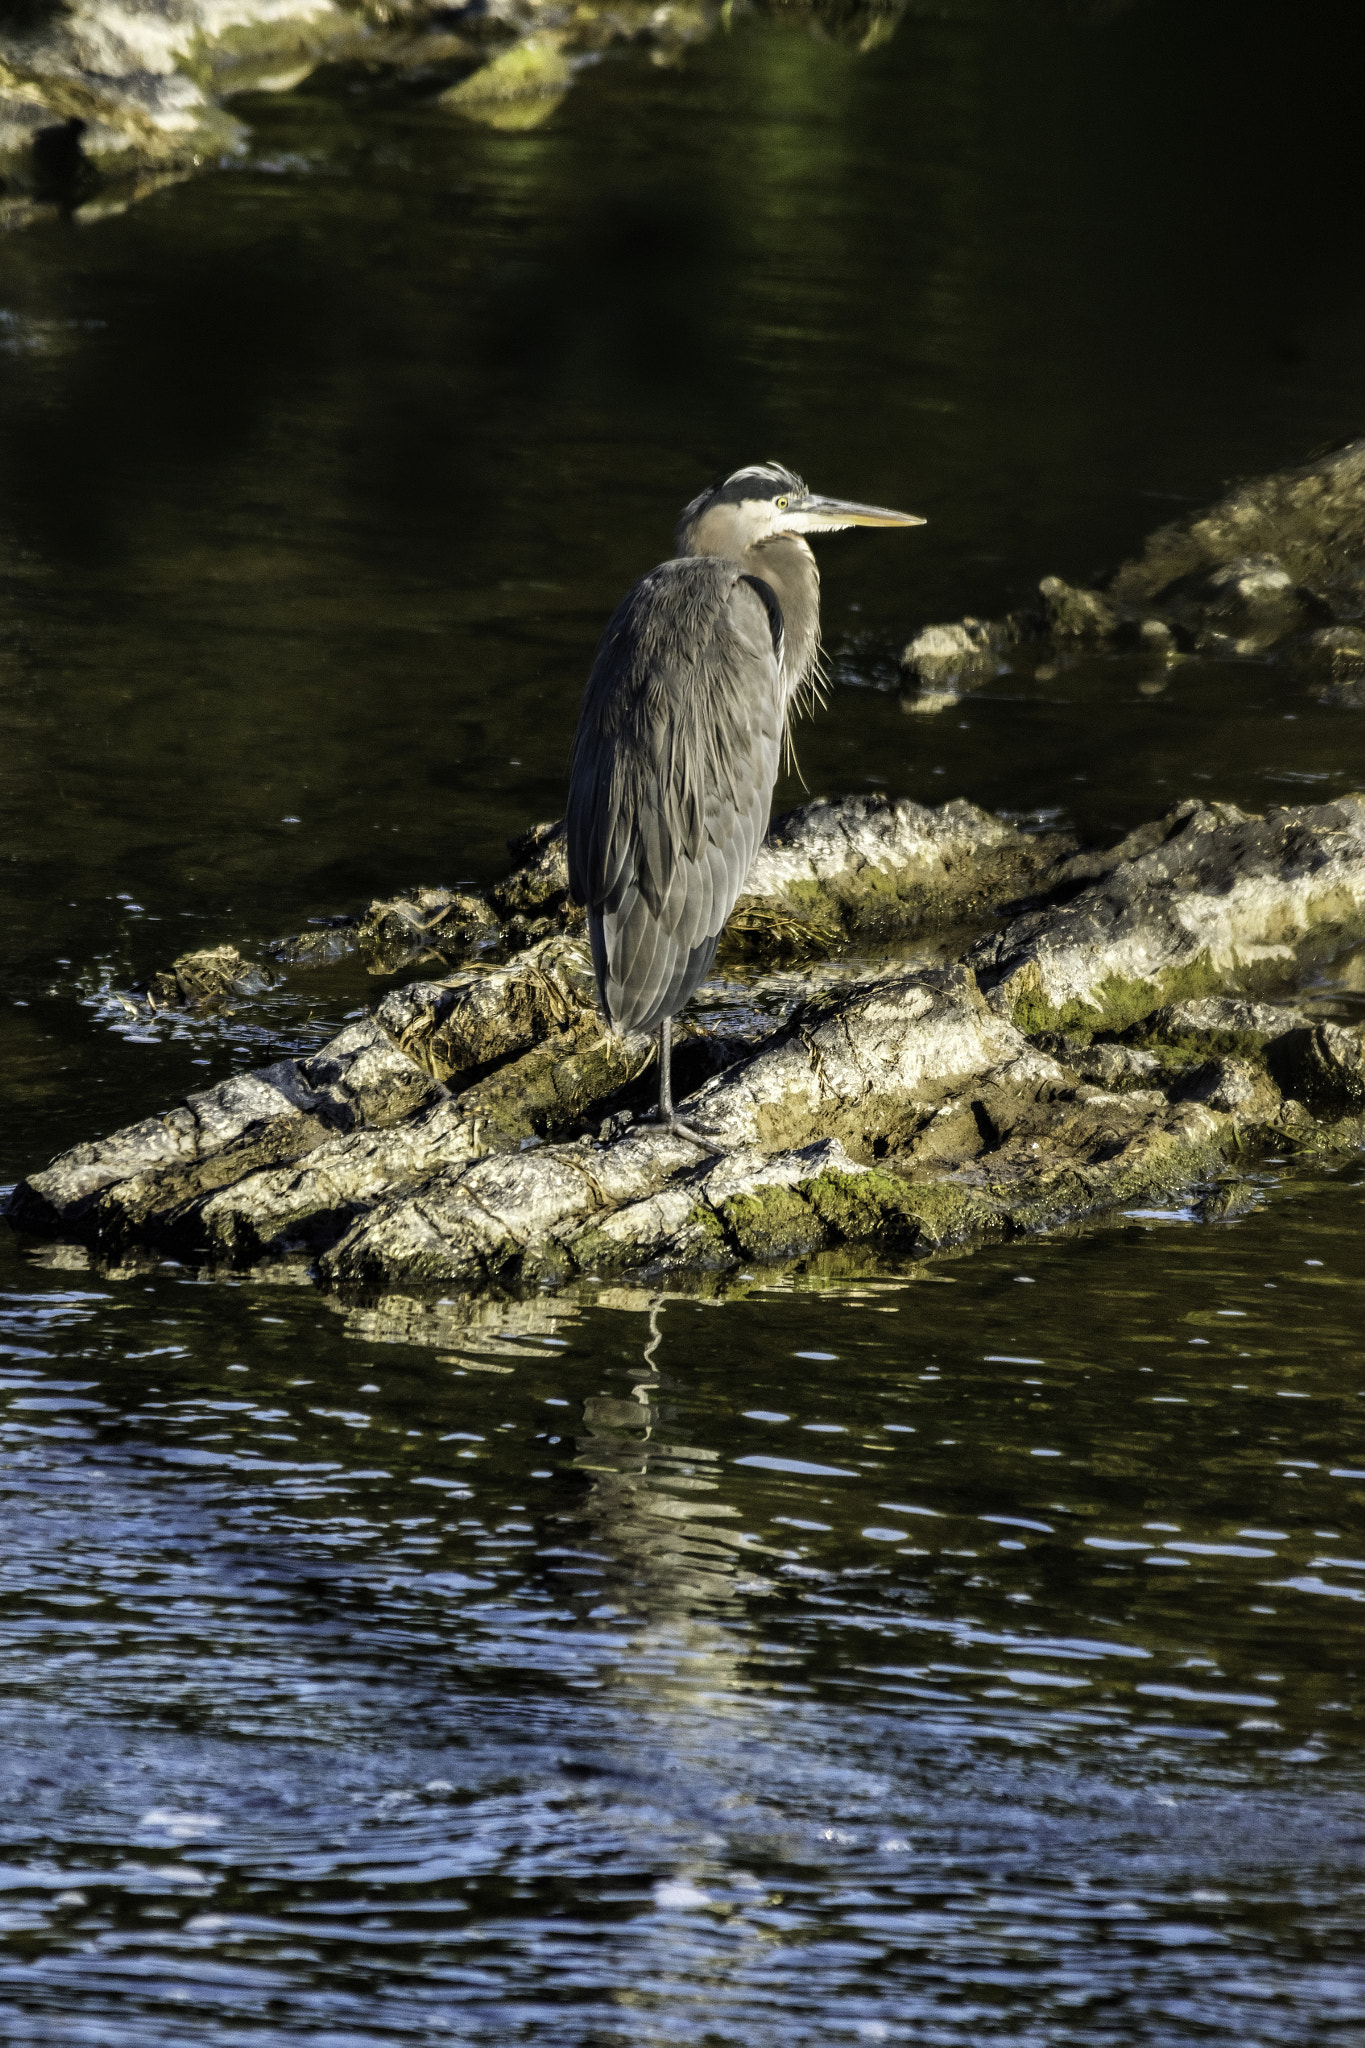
{"x": 827, "y": 515}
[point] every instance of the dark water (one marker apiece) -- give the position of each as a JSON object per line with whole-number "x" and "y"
{"x": 961, "y": 1654}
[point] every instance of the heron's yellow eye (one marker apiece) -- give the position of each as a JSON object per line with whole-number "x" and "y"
{"x": 781, "y": 504}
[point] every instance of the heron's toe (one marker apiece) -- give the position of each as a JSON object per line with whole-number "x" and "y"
{"x": 698, "y": 1138}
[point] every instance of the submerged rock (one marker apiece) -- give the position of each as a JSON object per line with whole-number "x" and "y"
{"x": 446, "y": 923}
{"x": 946, "y": 660}
{"x": 331, "y": 940}
{"x": 1074, "y": 614}
{"x": 205, "y": 979}
{"x": 1114, "y": 1044}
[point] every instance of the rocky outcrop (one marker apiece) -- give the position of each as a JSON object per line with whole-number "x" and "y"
{"x": 140, "y": 1186}
{"x": 104, "y": 101}
{"x": 131, "y": 91}
{"x": 1182, "y": 907}
{"x": 1277, "y": 567}
{"x": 953, "y": 1067}
{"x": 828, "y": 875}
{"x": 870, "y": 866}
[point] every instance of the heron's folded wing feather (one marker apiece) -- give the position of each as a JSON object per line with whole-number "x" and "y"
{"x": 674, "y": 766}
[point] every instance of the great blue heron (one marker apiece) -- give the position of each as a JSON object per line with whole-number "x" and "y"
{"x": 680, "y": 737}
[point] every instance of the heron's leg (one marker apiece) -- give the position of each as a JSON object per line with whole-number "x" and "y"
{"x": 667, "y": 1115}
{"x": 666, "y": 1071}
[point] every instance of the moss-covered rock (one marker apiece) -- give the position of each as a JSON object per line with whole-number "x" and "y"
{"x": 519, "y": 88}
{"x": 1111, "y": 1003}
{"x": 1219, "y": 1025}
{"x": 773, "y": 1223}
{"x": 1221, "y": 902}
{"x": 1099, "y": 1052}
{"x": 873, "y": 867}
{"x": 879, "y": 1208}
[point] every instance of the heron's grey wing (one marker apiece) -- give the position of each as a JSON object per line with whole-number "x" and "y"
{"x": 674, "y": 766}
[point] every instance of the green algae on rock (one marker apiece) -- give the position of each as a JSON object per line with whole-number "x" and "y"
{"x": 873, "y": 866}
{"x": 519, "y": 88}
{"x": 1217, "y": 900}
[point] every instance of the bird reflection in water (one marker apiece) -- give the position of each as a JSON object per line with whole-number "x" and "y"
{"x": 677, "y": 1554}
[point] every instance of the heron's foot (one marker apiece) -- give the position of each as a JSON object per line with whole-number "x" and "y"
{"x": 675, "y": 1123}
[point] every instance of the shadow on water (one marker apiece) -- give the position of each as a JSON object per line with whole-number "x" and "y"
{"x": 952, "y": 1654}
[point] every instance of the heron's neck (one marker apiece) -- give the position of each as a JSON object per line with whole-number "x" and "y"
{"x": 785, "y": 562}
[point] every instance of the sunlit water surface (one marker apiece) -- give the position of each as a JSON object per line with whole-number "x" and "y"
{"x": 965, "y": 1654}
{"x": 946, "y": 1654}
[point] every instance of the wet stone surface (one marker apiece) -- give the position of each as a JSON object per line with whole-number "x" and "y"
{"x": 1110, "y": 1044}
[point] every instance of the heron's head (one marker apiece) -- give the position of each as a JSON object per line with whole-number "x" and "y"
{"x": 763, "y": 500}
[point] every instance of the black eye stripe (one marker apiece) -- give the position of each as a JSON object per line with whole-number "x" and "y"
{"x": 747, "y": 484}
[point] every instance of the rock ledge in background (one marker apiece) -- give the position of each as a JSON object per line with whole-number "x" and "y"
{"x": 1274, "y": 569}
{"x": 104, "y": 101}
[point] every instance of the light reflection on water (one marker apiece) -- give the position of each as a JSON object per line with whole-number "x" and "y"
{"x": 604, "y": 1669}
